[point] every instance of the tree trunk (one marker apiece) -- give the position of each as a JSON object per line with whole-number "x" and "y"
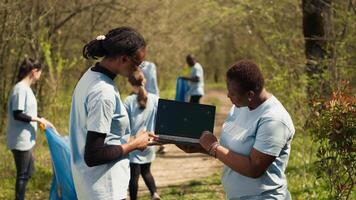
{"x": 318, "y": 32}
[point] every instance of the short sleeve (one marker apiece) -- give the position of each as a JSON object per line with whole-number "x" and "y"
{"x": 19, "y": 99}
{"x": 271, "y": 137}
{"x": 100, "y": 114}
{"x": 151, "y": 78}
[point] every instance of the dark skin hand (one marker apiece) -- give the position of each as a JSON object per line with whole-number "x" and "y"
{"x": 253, "y": 166}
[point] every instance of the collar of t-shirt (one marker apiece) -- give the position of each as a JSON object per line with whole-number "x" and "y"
{"x": 101, "y": 69}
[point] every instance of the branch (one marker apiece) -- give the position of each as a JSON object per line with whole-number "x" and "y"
{"x": 76, "y": 12}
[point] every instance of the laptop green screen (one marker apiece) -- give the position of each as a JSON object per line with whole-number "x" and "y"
{"x": 184, "y": 119}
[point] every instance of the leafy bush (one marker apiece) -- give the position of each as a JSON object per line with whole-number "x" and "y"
{"x": 334, "y": 129}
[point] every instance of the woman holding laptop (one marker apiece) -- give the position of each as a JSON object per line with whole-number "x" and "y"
{"x": 255, "y": 141}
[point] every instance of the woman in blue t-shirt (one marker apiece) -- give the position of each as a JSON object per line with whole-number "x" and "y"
{"x": 99, "y": 123}
{"x": 141, "y": 107}
{"x": 22, "y": 123}
{"x": 255, "y": 140}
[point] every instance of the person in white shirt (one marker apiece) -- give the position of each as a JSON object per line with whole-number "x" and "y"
{"x": 196, "y": 79}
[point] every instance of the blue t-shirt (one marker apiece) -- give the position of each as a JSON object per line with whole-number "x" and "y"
{"x": 197, "y": 88}
{"x": 149, "y": 71}
{"x": 142, "y": 120}
{"x": 21, "y": 135}
{"x": 269, "y": 129}
{"x": 96, "y": 106}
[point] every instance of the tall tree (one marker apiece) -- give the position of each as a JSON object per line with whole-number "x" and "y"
{"x": 318, "y": 32}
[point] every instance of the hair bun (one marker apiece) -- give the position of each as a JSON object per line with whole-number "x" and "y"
{"x": 94, "y": 49}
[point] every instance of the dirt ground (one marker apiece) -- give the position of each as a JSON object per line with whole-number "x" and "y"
{"x": 175, "y": 166}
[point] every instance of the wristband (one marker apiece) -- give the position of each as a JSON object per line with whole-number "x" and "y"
{"x": 211, "y": 146}
{"x": 212, "y": 150}
{"x": 215, "y": 149}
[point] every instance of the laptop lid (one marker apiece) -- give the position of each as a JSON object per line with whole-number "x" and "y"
{"x": 183, "y": 119}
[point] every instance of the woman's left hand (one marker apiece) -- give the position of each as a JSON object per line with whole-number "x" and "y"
{"x": 207, "y": 139}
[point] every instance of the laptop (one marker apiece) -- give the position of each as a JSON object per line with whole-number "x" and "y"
{"x": 182, "y": 122}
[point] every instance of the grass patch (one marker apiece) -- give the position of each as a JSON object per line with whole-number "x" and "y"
{"x": 302, "y": 181}
{"x": 207, "y": 188}
{"x": 39, "y": 185}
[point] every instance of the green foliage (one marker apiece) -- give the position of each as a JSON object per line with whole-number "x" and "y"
{"x": 52, "y": 90}
{"x": 334, "y": 129}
